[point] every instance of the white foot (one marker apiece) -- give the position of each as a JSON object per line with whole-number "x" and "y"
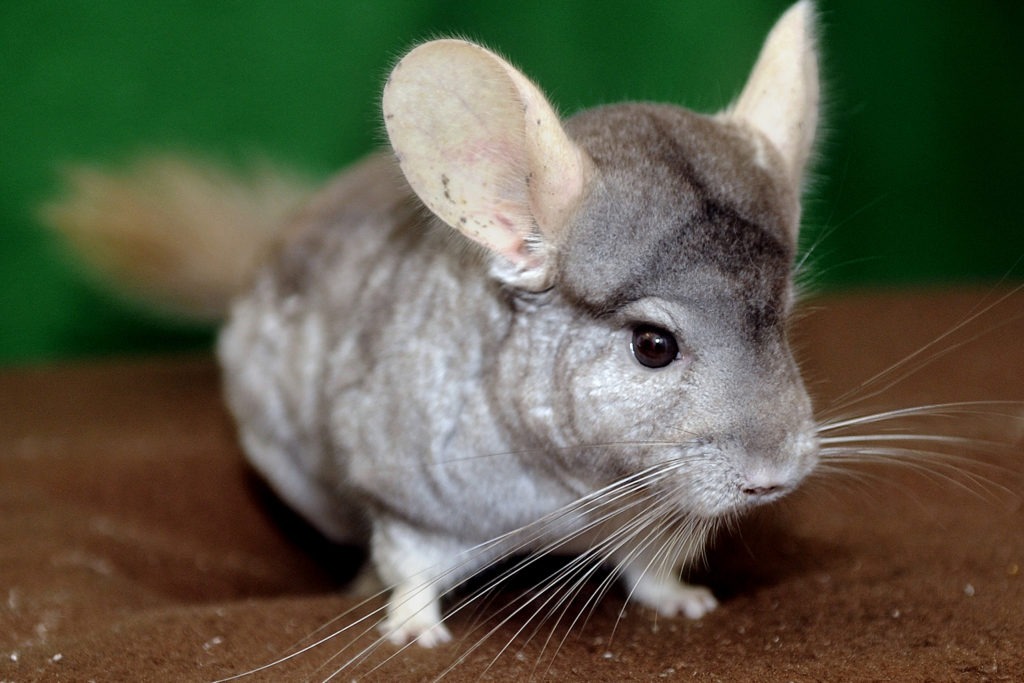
{"x": 670, "y": 597}
{"x": 423, "y": 634}
{"x": 414, "y": 615}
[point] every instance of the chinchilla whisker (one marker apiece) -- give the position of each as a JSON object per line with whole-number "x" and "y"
{"x": 637, "y": 549}
{"x": 831, "y": 226}
{"x": 615, "y": 492}
{"x": 602, "y": 506}
{"x": 802, "y": 274}
{"x": 463, "y": 603}
{"x": 866, "y": 438}
{"x": 931, "y": 410}
{"x": 564, "y": 591}
{"x": 938, "y": 466}
{"x": 583, "y": 566}
{"x": 619, "y": 510}
{"x": 806, "y": 270}
{"x": 294, "y": 653}
{"x": 610, "y": 498}
{"x": 870, "y": 470}
{"x": 362, "y": 655}
{"x": 563, "y": 586}
{"x": 914, "y": 362}
{"x": 584, "y": 563}
{"x": 538, "y": 528}
{"x": 685, "y": 541}
{"x": 949, "y": 440}
{"x": 612, "y": 494}
{"x": 601, "y": 497}
{"x": 850, "y": 451}
{"x": 587, "y": 563}
{"x": 840, "y": 468}
{"x": 841, "y": 483}
{"x": 520, "y": 605}
{"x": 632, "y": 539}
{"x": 639, "y": 533}
{"x": 585, "y": 557}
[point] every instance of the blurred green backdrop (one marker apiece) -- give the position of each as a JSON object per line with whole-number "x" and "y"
{"x": 919, "y": 178}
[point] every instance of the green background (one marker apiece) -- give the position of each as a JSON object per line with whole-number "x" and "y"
{"x": 920, "y": 177}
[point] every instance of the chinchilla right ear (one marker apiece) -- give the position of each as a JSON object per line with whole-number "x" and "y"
{"x": 485, "y": 151}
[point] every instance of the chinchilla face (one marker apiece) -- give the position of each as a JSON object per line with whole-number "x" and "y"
{"x": 663, "y": 340}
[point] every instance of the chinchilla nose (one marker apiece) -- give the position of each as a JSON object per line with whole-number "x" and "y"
{"x": 762, "y": 491}
{"x": 766, "y": 483}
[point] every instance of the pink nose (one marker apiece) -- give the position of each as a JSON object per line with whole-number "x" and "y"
{"x": 762, "y": 491}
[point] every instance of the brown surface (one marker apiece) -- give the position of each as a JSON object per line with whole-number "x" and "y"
{"x": 134, "y": 547}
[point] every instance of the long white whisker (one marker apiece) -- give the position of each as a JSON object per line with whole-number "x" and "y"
{"x": 625, "y": 535}
{"x": 845, "y": 400}
{"x": 628, "y": 536}
{"x": 638, "y": 534}
{"x": 955, "y": 408}
{"x": 320, "y": 641}
{"x": 609, "y": 495}
{"x": 938, "y": 465}
{"x": 539, "y": 526}
{"x": 583, "y": 567}
{"x": 582, "y": 560}
{"x": 944, "y": 439}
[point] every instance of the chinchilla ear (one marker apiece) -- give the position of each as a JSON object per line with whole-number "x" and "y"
{"x": 781, "y": 97}
{"x": 483, "y": 150}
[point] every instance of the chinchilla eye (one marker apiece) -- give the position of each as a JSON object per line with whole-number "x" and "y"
{"x": 653, "y": 346}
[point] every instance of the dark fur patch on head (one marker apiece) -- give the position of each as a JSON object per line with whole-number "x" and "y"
{"x": 679, "y": 202}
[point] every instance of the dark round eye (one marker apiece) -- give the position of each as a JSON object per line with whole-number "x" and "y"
{"x": 653, "y": 346}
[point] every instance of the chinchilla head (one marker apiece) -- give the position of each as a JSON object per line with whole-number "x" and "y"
{"x": 649, "y": 253}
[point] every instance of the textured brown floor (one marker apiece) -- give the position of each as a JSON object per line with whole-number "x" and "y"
{"x": 134, "y": 546}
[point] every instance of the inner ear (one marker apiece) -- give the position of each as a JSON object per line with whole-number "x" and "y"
{"x": 484, "y": 150}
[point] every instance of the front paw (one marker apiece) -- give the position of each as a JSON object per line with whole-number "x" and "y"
{"x": 692, "y": 602}
{"x": 423, "y": 632}
{"x": 670, "y": 597}
{"x": 413, "y": 614}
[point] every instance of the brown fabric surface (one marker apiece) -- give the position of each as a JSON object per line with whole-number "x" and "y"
{"x": 134, "y": 546}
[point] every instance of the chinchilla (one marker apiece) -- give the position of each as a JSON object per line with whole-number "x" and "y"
{"x": 515, "y": 333}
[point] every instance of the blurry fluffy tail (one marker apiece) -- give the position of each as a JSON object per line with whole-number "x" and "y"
{"x": 181, "y": 235}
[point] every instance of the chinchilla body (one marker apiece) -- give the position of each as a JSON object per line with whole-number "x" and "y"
{"x": 379, "y": 371}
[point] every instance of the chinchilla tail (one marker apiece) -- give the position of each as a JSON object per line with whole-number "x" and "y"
{"x": 178, "y": 234}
